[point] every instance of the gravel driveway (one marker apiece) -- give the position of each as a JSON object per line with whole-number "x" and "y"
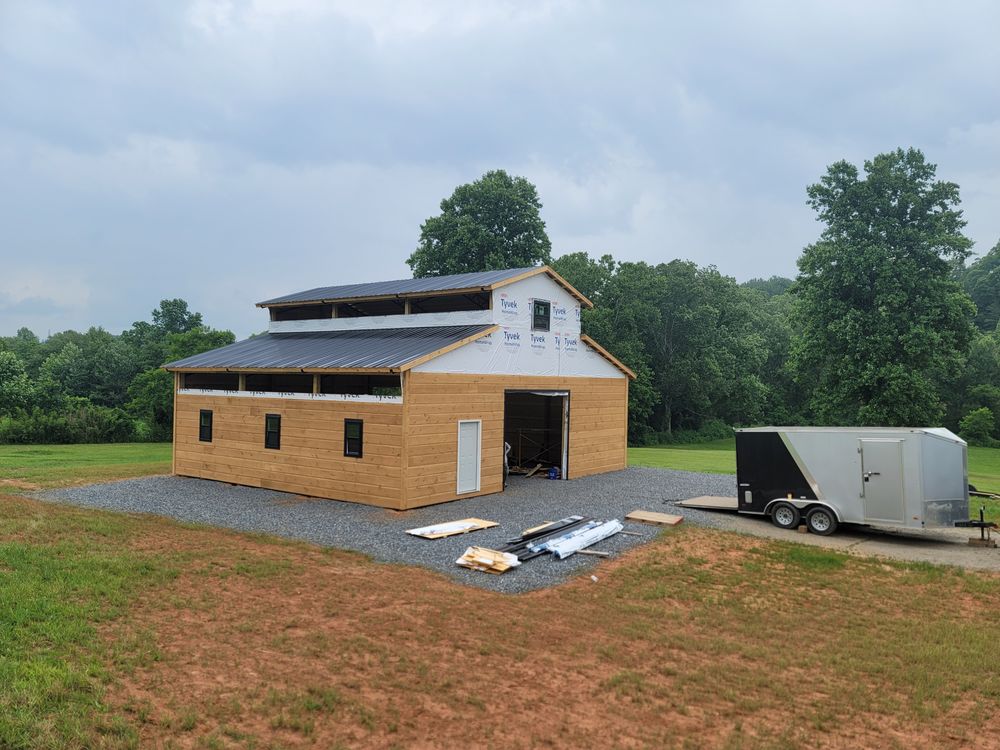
{"x": 379, "y": 533}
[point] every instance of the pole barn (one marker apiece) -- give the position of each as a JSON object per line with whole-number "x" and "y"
{"x": 402, "y": 394}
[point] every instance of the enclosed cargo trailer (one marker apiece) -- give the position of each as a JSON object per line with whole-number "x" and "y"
{"x": 914, "y": 477}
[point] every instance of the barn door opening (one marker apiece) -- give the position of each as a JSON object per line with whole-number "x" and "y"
{"x": 536, "y": 426}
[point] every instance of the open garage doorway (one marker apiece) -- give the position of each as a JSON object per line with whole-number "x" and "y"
{"x": 536, "y": 427}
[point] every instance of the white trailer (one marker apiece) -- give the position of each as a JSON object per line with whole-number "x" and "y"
{"x": 911, "y": 477}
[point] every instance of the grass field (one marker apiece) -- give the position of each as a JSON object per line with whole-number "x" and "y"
{"x": 122, "y": 631}
{"x": 33, "y": 466}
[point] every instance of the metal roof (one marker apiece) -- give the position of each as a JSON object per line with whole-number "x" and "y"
{"x": 428, "y": 284}
{"x": 387, "y": 348}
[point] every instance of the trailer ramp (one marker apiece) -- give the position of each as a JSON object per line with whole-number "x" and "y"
{"x": 711, "y": 502}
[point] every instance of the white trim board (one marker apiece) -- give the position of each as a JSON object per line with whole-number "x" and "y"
{"x": 359, "y": 398}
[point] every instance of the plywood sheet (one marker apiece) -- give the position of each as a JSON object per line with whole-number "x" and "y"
{"x": 451, "y": 528}
{"x": 658, "y": 519}
{"x": 711, "y": 502}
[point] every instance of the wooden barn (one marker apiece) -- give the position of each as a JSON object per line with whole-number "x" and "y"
{"x": 403, "y": 393}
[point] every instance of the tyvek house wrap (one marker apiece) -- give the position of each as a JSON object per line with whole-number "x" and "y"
{"x": 515, "y": 349}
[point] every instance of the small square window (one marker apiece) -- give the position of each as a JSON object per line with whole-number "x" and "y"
{"x": 272, "y": 431}
{"x": 354, "y": 432}
{"x": 540, "y": 311}
{"x": 205, "y": 426}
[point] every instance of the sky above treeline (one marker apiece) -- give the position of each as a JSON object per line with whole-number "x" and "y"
{"x": 226, "y": 152}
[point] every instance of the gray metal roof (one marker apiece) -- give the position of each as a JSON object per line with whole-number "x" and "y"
{"x": 429, "y": 284}
{"x": 385, "y": 348}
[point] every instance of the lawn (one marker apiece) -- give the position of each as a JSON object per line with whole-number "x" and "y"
{"x": 125, "y": 631}
{"x": 34, "y": 466}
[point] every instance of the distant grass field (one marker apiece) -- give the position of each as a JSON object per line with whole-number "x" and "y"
{"x": 716, "y": 457}
{"x": 719, "y": 457}
{"x": 35, "y": 466}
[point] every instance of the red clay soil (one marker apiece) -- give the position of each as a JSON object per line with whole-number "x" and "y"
{"x": 265, "y": 644}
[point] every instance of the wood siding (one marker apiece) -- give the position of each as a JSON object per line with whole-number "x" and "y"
{"x": 434, "y": 403}
{"x": 311, "y": 458}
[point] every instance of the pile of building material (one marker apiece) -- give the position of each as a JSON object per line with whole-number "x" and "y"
{"x": 488, "y": 560}
{"x": 561, "y": 538}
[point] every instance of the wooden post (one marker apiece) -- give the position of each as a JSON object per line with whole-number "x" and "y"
{"x": 243, "y": 382}
{"x": 406, "y": 306}
{"x": 333, "y": 310}
{"x": 316, "y": 382}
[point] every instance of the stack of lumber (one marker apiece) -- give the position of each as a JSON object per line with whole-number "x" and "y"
{"x": 488, "y": 560}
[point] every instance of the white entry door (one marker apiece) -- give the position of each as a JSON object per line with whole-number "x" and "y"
{"x": 469, "y": 446}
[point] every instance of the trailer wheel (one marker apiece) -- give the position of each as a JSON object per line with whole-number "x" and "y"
{"x": 821, "y": 521}
{"x": 785, "y": 516}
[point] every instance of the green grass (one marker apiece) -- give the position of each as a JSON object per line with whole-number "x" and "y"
{"x": 716, "y": 457}
{"x": 62, "y": 575}
{"x": 719, "y": 457}
{"x": 55, "y": 465}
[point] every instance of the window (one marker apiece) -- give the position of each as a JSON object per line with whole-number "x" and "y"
{"x": 205, "y": 426}
{"x": 354, "y": 430}
{"x": 540, "y": 315}
{"x": 272, "y": 431}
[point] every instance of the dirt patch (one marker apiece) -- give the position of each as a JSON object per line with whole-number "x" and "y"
{"x": 259, "y": 644}
{"x": 19, "y": 484}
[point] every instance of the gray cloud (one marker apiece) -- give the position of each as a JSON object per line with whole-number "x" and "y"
{"x": 227, "y": 151}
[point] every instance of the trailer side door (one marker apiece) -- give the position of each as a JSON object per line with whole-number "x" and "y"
{"x": 882, "y": 480}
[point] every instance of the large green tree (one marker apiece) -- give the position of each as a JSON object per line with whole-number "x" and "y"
{"x": 703, "y": 347}
{"x": 982, "y": 281}
{"x": 489, "y": 224}
{"x": 884, "y": 326}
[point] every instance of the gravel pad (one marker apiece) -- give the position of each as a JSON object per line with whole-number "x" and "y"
{"x": 380, "y": 533}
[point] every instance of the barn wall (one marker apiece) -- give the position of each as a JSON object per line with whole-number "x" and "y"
{"x": 435, "y": 402}
{"x": 311, "y": 458}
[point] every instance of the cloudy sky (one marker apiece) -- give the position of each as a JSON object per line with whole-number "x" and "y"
{"x": 226, "y": 151}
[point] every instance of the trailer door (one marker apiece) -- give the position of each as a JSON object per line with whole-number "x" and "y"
{"x": 882, "y": 480}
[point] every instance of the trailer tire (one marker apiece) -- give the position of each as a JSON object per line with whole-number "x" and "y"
{"x": 785, "y": 516}
{"x": 821, "y": 521}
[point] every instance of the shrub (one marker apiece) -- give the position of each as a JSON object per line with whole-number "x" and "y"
{"x": 976, "y": 427}
{"x": 79, "y": 422}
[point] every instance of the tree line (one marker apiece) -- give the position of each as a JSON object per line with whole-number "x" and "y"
{"x": 96, "y": 386}
{"x": 886, "y": 323}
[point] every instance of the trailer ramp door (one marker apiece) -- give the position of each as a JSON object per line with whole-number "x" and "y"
{"x": 882, "y": 480}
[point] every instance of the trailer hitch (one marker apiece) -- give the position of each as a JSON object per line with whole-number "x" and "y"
{"x": 984, "y": 526}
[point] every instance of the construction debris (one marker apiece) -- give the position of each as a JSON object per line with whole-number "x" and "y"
{"x": 583, "y": 537}
{"x": 657, "y": 519}
{"x": 488, "y": 560}
{"x": 594, "y": 552}
{"x": 451, "y": 528}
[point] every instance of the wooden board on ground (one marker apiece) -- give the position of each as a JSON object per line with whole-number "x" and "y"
{"x": 711, "y": 502}
{"x": 658, "y": 519}
{"x": 532, "y": 472}
{"x": 451, "y": 528}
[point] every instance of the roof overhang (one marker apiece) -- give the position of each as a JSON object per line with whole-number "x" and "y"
{"x": 441, "y": 293}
